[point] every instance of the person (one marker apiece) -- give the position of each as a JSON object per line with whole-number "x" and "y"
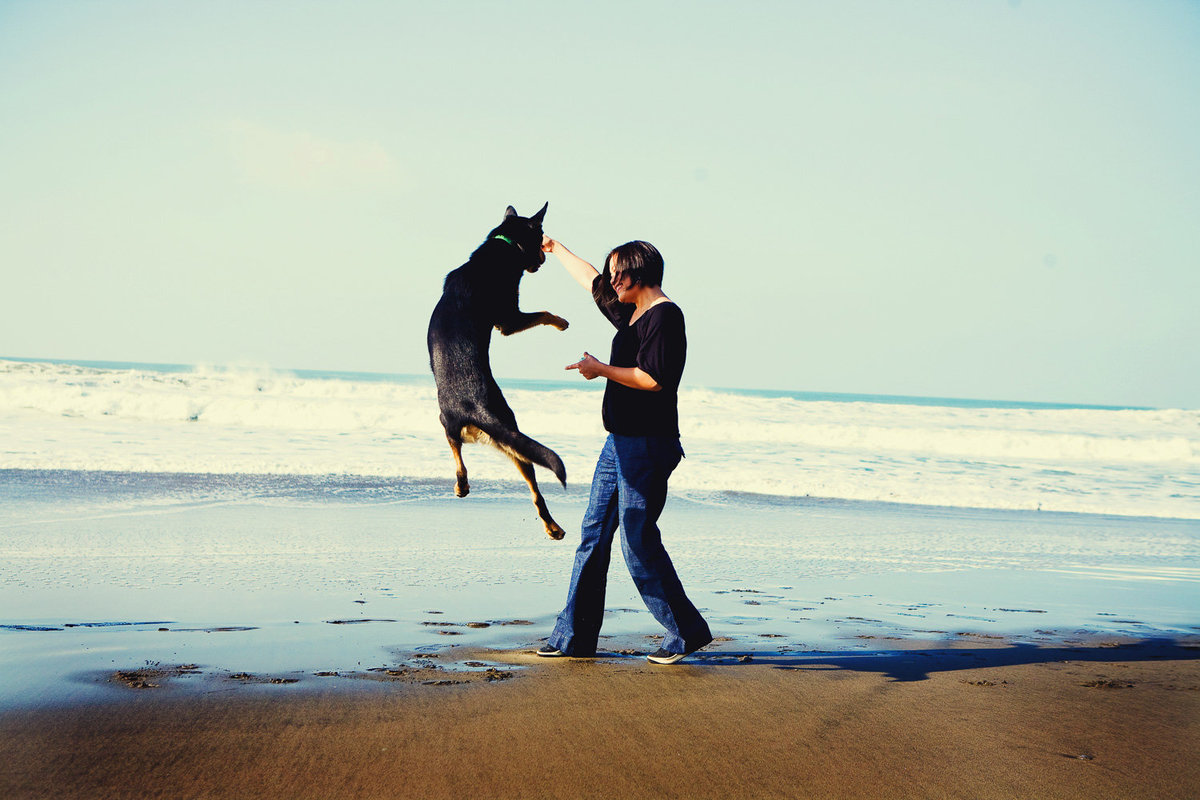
{"x": 629, "y": 486}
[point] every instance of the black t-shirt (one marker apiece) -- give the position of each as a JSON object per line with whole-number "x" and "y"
{"x": 657, "y": 344}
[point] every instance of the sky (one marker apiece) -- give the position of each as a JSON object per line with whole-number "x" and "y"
{"x": 982, "y": 199}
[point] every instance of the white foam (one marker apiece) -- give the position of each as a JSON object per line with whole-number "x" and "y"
{"x": 1132, "y": 462}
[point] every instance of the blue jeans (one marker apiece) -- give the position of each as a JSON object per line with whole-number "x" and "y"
{"x": 629, "y": 490}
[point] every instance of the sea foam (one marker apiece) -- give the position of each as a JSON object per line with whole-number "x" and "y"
{"x": 1140, "y": 462}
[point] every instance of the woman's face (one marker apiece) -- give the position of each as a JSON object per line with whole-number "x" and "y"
{"x": 621, "y": 282}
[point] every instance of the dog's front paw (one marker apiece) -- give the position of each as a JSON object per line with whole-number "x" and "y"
{"x": 559, "y": 322}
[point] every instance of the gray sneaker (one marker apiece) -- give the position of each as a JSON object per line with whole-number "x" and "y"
{"x": 661, "y": 656}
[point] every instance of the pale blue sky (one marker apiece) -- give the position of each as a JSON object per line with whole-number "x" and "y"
{"x": 964, "y": 198}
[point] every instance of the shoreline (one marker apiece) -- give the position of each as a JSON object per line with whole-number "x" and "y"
{"x": 287, "y": 637}
{"x": 164, "y": 643}
{"x": 978, "y": 719}
{"x": 894, "y": 658}
{"x": 308, "y": 583}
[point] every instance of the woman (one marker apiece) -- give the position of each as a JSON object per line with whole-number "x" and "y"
{"x": 629, "y": 487}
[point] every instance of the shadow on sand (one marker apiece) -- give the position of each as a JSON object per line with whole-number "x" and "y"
{"x": 918, "y": 665}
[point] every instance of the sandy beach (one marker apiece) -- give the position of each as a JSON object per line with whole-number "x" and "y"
{"x": 262, "y": 637}
{"x": 977, "y": 720}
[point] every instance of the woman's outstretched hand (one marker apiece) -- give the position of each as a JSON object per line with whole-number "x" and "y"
{"x": 588, "y": 366}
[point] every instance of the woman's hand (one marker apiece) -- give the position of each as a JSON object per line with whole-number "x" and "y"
{"x": 633, "y": 377}
{"x": 589, "y": 367}
{"x": 548, "y": 244}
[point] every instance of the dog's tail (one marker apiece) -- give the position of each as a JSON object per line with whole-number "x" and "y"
{"x": 517, "y": 444}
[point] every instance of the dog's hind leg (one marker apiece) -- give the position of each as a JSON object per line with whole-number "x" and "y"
{"x": 461, "y": 487}
{"x": 553, "y": 530}
{"x": 503, "y": 434}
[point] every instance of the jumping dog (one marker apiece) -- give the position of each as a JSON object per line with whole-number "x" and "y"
{"x": 477, "y": 297}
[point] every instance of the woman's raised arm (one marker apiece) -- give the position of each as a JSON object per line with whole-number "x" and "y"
{"x": 583, "y": 272}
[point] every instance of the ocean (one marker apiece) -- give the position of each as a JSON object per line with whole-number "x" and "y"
{"x": 170, "y": 419}
{"x": 293, "y": 525}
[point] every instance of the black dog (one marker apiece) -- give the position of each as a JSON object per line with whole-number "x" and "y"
{"x": 478, "y": 296}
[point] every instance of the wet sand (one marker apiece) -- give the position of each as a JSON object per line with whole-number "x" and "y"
{"x": 970, "y": 719}
{"x": 303, "y": 645}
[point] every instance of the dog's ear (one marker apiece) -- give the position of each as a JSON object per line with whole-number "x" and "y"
{"x": 539, "y": 215}
{"x": 510, "y": 212}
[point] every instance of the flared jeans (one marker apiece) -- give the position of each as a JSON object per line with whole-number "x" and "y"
{"x": 629, "y": 490}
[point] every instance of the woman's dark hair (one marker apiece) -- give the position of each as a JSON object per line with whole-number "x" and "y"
{"x": 641, "y": 260}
